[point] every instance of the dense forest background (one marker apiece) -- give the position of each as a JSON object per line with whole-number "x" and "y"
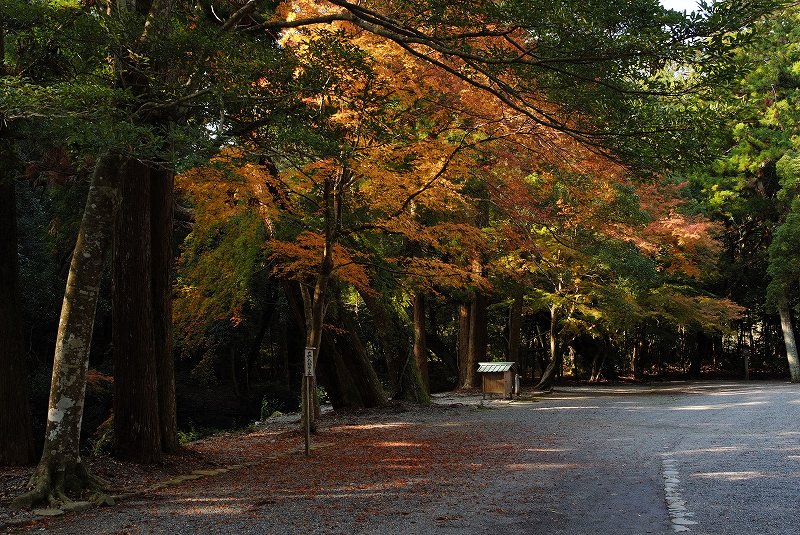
{"x": 594, "y": 191}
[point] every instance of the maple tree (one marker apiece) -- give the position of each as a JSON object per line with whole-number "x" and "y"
{"x": 606, "y": 263}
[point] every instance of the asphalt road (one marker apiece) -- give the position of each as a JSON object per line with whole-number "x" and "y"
{"x": 705, "y": 458}
{"x": 699, "y": 458}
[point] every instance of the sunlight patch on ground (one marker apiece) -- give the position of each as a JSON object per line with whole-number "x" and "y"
{"x": 399, "y": 444}
{"x": 564, "y": 408}
{"x": 387, "y": 425}
{"x": 748, "y": 393}
{"x": 731, "y": 476}
{"x": 547, "y": 450}
{"x": 210, "y": 506}
{"x": 718, "y": 407}
{"x": 717, "y": 449}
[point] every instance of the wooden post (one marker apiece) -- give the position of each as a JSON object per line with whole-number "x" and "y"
{"x": 308, "y": 409}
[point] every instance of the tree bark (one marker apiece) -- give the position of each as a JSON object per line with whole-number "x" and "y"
{"x": 336, "y": 377}
{"x": 597, "y": 363}
{"x": 367, "y": 380}
{"x": 137, "y": 433}
{"x": 637, "y": 356}
{"x": 789, "y": 340}
{"x": 463, "y": 342}
{"x": 420, "y": 345}
{"x": 404, "y": 376}
{"x": 538, "y": 356}
{"x": 698, "y": 349}
{"x": 61, "y": 469}
{"x": 16, "y": 433}
{"x": 515, "y": 329}
{"x": 161, "y": 218}
{"x": 549, "y": 374}
{"x": 478, "y": 338}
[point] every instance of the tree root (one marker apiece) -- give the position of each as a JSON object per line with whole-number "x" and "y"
{"x": 57, "y": 484}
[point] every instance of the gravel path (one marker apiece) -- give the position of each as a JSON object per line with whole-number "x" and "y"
{"x": 706, "y": 458}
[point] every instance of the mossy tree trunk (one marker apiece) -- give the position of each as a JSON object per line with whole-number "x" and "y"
{"x": 515, "y": 329}
{"x": 367, "y": 380}
{"x": 789, "y": 340}
{"x": 551, "y": 371}
{"x": 61, "y": 472}
{"x": 404, "y": 377}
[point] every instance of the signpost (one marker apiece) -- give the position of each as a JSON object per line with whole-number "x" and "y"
{"x": 309, "y": 405}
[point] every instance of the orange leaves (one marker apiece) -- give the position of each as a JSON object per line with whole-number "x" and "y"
{"x": 300, "y": 259}
{"x": 229, "y": 185}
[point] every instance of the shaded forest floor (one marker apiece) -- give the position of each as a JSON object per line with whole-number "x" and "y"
{"x": 277, "y": 439}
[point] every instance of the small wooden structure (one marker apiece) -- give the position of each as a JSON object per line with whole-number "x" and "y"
{"x": 497, "y": 378}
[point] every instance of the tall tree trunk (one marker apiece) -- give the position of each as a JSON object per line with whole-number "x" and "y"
{"x": 16, "y": 434}
{"x": 161, "y": 222}
{"x": 137, "y": 432}
{"x": 61, "y": 469}
{"x": 420, "y": 345}
{"x": 549, "y": 374}
{"x": 315, "y": 305}
{"x": 392, "y": 341}
{"x": 351, "y": 379}
{"x": 478, "y": 338}
{"x": 598, "y": 361}
{"x": 698, "y": 350}
{"x": 334, "y": 374}
{"x": 515, "y": 328}
{"x": 463, "y": 342}
{"x": 637, "y": 356}
{"x": 539, "y": 353}
{"x": 789, "y": 340}
{"x": 398, "y": 350}
{"x": 369, "y": 384}
{"x": 443, "y": 352}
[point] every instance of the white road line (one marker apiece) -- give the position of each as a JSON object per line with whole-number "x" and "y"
{"x": 679, "y": 515}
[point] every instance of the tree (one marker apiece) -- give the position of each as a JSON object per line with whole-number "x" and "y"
{"x": 752, "y": 190}
{"x": 61, "y": 469}
{"x": 107, "y": 101}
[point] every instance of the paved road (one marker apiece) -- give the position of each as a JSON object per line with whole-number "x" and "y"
{"x": 700, "y": 458}
{"x": 705, "y": 458}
